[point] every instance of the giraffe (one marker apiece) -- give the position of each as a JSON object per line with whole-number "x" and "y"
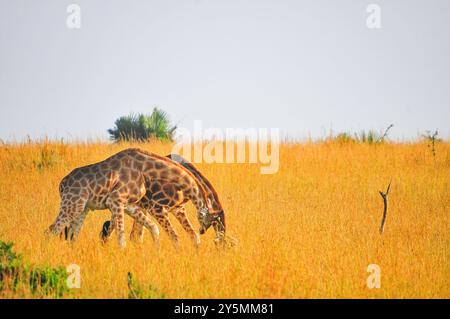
{"x": 119, "y": 183}
{"x": 154, "y": 208}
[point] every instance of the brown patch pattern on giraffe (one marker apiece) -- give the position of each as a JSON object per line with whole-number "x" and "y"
{"x": 131, "y": 181}
{"x": 154, "y": 206}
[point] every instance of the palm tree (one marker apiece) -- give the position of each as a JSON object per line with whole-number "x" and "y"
{"x": 142, "y": 127}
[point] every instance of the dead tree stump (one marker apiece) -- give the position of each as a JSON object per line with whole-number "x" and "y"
{"x": 384, "y": 195}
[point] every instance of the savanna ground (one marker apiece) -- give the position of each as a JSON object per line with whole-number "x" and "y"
{"x": 309, "y": 231}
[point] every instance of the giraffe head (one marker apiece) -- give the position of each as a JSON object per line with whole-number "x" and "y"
{"x": 215, "y": 219}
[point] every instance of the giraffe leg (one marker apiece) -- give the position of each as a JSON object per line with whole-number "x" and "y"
{"x": 163, "y": 219}
{"x": 119, "y": 202}
{"x": 71, "y": 231}
{"x": 180, "y": 215}
{"x": 117, "y": 208}
{"x": 140, "y": 217}
{"x": 69, "y": 211}
{"x": 137, "y": 232}
{"x": 118, "y": 217}
{"x": 76, "y": 226}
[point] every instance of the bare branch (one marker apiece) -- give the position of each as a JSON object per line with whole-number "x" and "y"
{"x": 384, "y": 195}
{"x": 385, "y": 133}
{"x": 432, "y": 139}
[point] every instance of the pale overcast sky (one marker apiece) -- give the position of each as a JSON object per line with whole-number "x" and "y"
{"x": 301, "y": 66}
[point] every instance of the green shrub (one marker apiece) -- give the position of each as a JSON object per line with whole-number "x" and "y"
{"x": 10, "y": 266}
{"x": 48, "y": 281}
{"x": 140, "y": 127}
{"x": 40, "y": 281}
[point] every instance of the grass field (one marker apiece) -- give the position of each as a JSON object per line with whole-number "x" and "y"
{"x": 309, "y": 231}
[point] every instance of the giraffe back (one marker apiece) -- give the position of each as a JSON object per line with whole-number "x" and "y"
{"x": 162, "y": 172}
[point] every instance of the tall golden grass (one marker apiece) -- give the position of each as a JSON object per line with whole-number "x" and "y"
{"x": 309, "y": 231}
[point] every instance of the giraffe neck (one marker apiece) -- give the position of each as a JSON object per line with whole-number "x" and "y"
{"x": 198, "y": 195}
{"x": 211, "y": 193}
{"x": 199, "y": 198}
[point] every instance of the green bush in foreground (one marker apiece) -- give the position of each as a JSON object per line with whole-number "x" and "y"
{"x": 40, "y": 281}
